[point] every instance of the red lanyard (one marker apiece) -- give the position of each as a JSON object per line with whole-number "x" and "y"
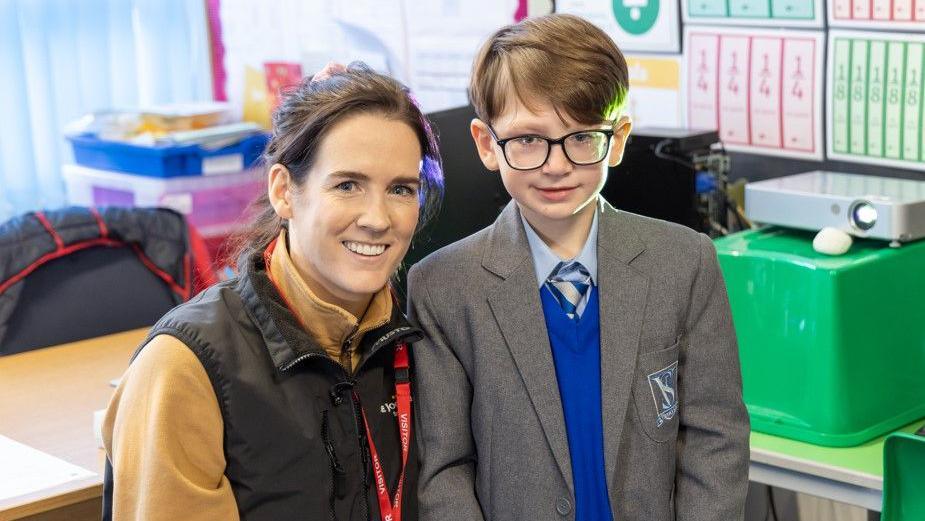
{"x": 391, "y": 510}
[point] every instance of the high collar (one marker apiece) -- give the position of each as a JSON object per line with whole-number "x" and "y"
{"x": 287, "y": 342}
{"x": 333, "y": 328}
{"x": 545, "y": 260}
{"x": 508, "y": 246}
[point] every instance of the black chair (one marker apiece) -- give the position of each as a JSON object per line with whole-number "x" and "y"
{"x": 79, "y": 273}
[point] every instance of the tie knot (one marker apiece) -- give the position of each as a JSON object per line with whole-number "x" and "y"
{"x": 573, "y": 271}
{"x": 569, "y": 283}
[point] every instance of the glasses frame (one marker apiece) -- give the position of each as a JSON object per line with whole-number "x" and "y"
{"x": 549, "y": 143}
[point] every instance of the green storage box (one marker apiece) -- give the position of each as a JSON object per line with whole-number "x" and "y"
{"x": 832, "y": 348}
{"x": 903, "y": 477}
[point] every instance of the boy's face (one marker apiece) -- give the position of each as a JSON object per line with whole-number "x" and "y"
{"x": 558, "y": 190}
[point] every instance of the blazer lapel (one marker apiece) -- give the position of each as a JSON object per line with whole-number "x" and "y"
{"x": 516, "y": 306}
{"x": 623, "y": 291}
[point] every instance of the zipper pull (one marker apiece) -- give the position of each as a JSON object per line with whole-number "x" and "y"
{"x": 340, "y": 475}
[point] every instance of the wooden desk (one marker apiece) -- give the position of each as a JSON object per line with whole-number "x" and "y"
{"x": 47, "y": 400}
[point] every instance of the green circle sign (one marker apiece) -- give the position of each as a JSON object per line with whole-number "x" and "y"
{"x": 635, "y": 16}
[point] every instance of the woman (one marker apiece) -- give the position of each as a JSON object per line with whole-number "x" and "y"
{"x": 283, "y": 393}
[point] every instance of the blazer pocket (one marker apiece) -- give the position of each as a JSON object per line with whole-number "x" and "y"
{"x": 656, "y": 393}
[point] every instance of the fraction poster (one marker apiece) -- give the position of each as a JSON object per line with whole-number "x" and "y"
{"x": 903, "y": 15}
{"x": 875, "y": 98}
{"x": 777, "y": 13}
{"x": 761, "y": 88}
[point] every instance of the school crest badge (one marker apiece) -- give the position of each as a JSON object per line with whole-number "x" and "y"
{"x": 663, "y": 384}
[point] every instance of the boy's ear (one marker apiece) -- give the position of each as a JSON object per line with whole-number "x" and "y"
{"x": 621, "y": 132}
{"x": 484, "y": 143}
{"x": 278, "y": 183}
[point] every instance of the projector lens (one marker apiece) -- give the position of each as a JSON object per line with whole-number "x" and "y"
{"x": 863, "y": 215}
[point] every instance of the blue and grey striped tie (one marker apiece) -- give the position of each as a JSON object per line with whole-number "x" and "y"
{"x": 569, "y": 283}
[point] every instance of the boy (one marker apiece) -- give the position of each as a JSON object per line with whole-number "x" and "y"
{"x": 581, "y": 361}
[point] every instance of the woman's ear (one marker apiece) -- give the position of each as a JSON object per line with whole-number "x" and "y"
{"x": 621, "y": 132}
{"x": 485, "y": 144}
{"x": 278, "y": 183}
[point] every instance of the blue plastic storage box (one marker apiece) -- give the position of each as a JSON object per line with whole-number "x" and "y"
{"x": 166, "y": 160}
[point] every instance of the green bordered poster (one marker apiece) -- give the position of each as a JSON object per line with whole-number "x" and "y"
{"x": 776, "y": 13}
{"x": 636, "y": 25}
{"x": 875, "y": 110}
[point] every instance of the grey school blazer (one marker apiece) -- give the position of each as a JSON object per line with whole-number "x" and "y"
{"x": 489, "y": 416}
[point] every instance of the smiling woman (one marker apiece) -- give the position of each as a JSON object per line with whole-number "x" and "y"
{"x": 352, "y": 219}
{"x": 270, "y": 395}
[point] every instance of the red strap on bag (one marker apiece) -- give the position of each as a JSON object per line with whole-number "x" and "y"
{"x": 391, "y": 510}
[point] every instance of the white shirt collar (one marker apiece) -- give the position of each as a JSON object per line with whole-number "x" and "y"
{"x": 544, "y": 260}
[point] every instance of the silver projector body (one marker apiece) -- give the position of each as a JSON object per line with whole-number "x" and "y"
{"x": 862, "y": 205}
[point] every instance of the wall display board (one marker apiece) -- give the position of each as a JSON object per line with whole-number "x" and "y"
{"x": 761, "y": 88}
{"x": 427, "y": 45}
{"x": 636, "y": 25}
{"x": 878, "y": 14}
{"x": 874, "y": 110}
{"x": 655, "y": 96}
{"x": 777, "y": 13}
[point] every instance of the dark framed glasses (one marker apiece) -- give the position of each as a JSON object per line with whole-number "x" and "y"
{"x": 529, "y": 152}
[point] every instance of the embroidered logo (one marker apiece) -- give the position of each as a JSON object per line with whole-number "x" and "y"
{"x": 389, "y": 407}
{"x": 663, "y": 384}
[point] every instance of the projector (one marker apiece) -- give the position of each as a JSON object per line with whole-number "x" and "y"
{"x": 861, "y": 205}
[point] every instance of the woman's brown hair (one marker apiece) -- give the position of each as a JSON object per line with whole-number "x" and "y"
{"x": 301, "y": 122}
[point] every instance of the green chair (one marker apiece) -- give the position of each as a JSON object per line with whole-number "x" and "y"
{"x": 904, "y": 478}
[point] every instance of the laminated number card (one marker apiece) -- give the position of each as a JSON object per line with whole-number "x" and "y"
{"x": 761, "y": 88}
{"x": 875, "y": 98}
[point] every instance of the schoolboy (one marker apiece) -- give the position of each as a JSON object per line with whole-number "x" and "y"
{"x": 581, "y": 361}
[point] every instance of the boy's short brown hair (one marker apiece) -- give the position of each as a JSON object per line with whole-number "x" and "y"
{"x": 559, "y": 58}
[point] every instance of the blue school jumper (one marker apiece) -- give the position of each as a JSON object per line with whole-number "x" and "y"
{"x": 576, "y": 350}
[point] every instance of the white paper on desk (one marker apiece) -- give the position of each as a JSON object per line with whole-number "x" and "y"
{"x": 24, "y": 470}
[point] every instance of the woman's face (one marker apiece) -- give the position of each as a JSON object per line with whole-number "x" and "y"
{"x": 352, "y": 220}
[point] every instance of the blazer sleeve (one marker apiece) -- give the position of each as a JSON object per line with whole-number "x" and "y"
{"x": 163, "y": 434}
{"x": 443, "y": 398}
{"x": 713, "y": 437}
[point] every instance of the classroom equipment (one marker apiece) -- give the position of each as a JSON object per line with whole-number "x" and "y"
{"x": 213, "y": 204}
{"x": 903, "y": 477}
{"x": 862, "y": 205}
{"x": 660, "y": 174}
{"x": 167, "y": 160}
{"x": 831, "y": 348}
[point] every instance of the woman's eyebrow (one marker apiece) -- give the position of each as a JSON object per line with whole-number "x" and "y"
{"x": 360, "y": 176}
{"x": 349, "y": 174}
{"x": 407, "y": 180}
